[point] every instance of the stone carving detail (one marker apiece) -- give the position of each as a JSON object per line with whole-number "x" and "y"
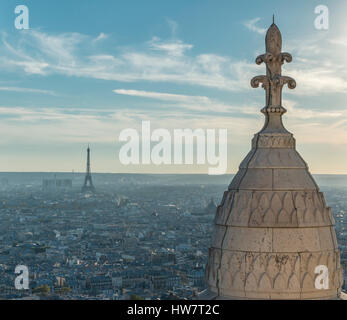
{"x": 274, "y": 208}
{"x": 273, "y": 85}
{"x": 273, "y": 81}
{"x": 268, "y": 141}
{"x": 272, "y": 272}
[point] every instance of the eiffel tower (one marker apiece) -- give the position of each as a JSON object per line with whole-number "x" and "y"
{"x": 88, "y": 183}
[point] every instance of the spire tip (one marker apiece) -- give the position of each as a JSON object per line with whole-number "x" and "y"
{"x": 273, "y": 81}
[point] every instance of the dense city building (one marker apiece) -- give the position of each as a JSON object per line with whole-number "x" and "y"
{"x": 110, "y": 244}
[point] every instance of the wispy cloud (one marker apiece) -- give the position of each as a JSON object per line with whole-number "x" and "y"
{"x": 319, "y": 65}
{"x": 189, "y": 102}
{"x": 71, "y": 125}
{"x": 50, "y": 125}
{"x": 157, "y": 60}
{"x": 304, "y": 113}
{"x": 251, "y": 25}
{"x": 28, "y": 90}
{"x": 204, "y": 103}
{"x": 315, "y": 80}
{"x": 163, "y": 96}
{"x": 35, "y": 52}
{"x": 101, "y": 36}
{"x": 170, "y": 61}
{"x": 174, "y": 48}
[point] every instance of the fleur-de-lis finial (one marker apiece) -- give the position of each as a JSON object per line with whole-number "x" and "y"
{"x": 273, "y": 81}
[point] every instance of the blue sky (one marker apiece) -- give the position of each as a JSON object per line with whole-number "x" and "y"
{"x": 85, "y": 70}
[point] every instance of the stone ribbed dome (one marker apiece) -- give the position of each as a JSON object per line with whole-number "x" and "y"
{"x": 273, "y": 226}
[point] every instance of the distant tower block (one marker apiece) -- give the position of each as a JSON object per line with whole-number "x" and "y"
{"x": 273, "y": 228}
{"x": 88, "y": 183}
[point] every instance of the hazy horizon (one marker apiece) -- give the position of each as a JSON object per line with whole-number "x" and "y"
{"x": 99, "y": 179}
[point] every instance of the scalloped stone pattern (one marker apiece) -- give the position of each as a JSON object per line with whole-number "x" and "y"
{"x": 264, "y": 275}
{"x": 274, "y": 208}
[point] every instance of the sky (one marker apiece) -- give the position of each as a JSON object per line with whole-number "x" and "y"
{"x": 86, "y": 70}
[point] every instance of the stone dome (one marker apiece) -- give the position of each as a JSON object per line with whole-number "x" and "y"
{"x": 273, "y": 226}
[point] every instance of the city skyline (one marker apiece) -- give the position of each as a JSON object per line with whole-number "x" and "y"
{"x": 153, "y": 151}
{"x": 69, "y": 81}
